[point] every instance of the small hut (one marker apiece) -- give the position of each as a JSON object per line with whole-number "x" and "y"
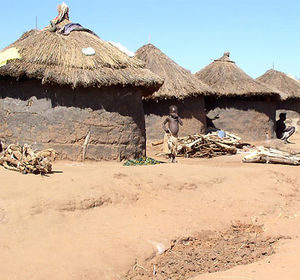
{"x": 242, "y": 105}
{"x": 291, "y": 88}
{"x": 74, "y": 92}
{"x": 180, "y": 88}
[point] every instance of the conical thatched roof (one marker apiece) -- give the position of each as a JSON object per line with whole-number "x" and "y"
{"x": 179, "y": 83}
{"x": 55, "y": 58}
{"x": 227, "y": 79}
{"x": 282, "y": 82}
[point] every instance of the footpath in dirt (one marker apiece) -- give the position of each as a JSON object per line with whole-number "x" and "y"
{"x": 106, "y": 221}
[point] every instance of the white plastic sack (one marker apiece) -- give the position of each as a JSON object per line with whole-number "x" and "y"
{"x": 88, "y": 51}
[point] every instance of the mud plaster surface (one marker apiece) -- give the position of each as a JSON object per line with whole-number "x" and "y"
{"x": 190, "y": 110}
{"x": 249, "y": 119}
{"x": 110, "y": 120}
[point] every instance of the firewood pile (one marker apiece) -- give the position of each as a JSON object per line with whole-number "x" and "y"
{"x": 209, "y": 145}
{"x": 25, "y": 160}
{"x": 262, "y": 154}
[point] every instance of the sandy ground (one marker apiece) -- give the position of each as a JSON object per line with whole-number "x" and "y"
{"x": 96, "y": 220}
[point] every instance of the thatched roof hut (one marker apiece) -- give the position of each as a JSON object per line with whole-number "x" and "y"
{"x": 242, "y": 105}
{"x": 178, "y": 84}
{"x": 291, "y": 88}
{"x": 57, "y": 59}
{"x": 227, "y": 79}
{"x": 74, "y": 92}
{"x": 282, "y": 82}
{"x": 180, "y": 88}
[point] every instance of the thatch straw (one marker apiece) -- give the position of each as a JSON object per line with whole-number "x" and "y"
{"x": 179, "y": 83}
{"x": 227, "y": 79}
{"x": 55, "y": 58}
{"x": 282, "y": 82}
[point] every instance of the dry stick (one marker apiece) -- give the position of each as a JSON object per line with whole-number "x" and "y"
{"x": 156, "y": 143}
{"x": 86, "y": 141}
{"x": 154, "y": 270}
{"x": 139, "y": 266}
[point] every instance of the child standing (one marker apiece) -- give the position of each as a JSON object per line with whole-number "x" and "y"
{"x": 171, "y": 135}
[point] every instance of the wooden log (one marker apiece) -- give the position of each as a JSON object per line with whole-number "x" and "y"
{"x": 156, "y": 143}
{"x": 270, "y": 155}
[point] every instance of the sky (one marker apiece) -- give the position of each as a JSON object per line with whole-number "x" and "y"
{"x": 260, "y": 34}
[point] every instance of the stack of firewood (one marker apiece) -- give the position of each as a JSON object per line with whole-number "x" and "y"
{"x": 209, "y": 145}
{"x": 25, "y": 160}
{"x": 270, "y": 155}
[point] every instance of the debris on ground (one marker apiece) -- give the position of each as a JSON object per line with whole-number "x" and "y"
{"x": 208, "y": 251}
{"x": 142, "y": 161}
{"x": 262, "y": 154}
{"x": 25, "y": 160}
{"x": 156, "y": 143}
{"x": 209, "y": 145}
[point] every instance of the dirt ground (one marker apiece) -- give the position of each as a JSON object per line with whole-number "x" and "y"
{"x": 102, "y": 220}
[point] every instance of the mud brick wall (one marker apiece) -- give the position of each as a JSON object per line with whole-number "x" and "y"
{"x": 251, "y": 119}
{"x": 62, "y": 118}
{"x": 190, "y": 110}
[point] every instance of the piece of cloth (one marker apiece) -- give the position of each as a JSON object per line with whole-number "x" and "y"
{"x": 69, "y": 27}
{"x": 170, "y": 144}
{"x": 63, "y": 13}
{"x": 288, "y": 133}
{"x": 141, "y": 161}
{"x": 9, "y": 54}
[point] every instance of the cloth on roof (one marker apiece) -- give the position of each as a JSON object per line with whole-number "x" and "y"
{"x": 9, "y": 54}
{"x": 68, "y": 28}
{"x": 63, "y": 13}
{"x": 141, "y": 161}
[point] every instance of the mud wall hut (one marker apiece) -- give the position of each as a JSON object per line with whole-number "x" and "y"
{"x": 241, "y": 105}
{"x": 180, "y": 88}
{"x": 291, "y": 88}
{"x": 81, "y": 102}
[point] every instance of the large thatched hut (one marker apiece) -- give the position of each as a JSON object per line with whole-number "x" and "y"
{"x": 180, "y": 88}
{"x": 242, "y": 105}
{"x": 74, "y": 92}
{"x": 291, "y": 88}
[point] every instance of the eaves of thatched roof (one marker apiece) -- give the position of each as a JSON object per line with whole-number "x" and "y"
{"x": 57, "y": 59}
{"x": 179, "y": 83}
{"x": 282, "y": 82}
{"x": 227, "y": 79}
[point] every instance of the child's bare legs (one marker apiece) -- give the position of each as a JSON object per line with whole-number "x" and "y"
{"x": 172, "y": 158}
